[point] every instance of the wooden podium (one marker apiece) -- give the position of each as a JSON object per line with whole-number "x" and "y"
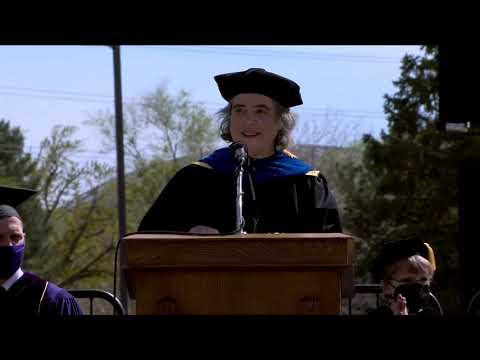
{"x": 254, "y": 274}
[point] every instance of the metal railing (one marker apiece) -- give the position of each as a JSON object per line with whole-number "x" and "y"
{"x": 474, "y": 305}
{"x": 373, "y": 289}
{"x": 92, "y": 294}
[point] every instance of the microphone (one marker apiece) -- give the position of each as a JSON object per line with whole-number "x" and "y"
{"x": 239, "y": 152}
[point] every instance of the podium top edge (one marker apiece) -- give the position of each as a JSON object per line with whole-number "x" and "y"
{"x": 257, "y": 236}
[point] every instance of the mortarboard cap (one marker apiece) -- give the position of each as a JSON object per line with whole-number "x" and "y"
{"x": 259, "y": 81}
{"x": 394, "y": 251}
{"x": 10, "y": 198}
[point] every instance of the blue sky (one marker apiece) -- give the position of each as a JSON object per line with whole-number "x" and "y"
{"x": 41, "y": 86}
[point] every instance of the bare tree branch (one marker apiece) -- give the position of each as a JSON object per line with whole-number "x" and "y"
{"x": 86, "y": 268}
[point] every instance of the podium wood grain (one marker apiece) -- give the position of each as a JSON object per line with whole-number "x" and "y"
{"x": 238, "y": 274}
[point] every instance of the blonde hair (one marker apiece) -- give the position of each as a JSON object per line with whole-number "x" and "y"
{"x": 415, "y": 264}
{"x": 287, "y": 121}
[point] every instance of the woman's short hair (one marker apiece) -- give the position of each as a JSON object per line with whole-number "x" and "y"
{"x": 287, "y": 123}
{"x": 416, "y": 264}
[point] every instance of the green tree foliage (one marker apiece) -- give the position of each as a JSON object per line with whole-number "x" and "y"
{"x": 16, "y": 165}
{"x": 18, "y": 168}
{"x": 70, "y": 235}
{"x": 184, "y": 127}
{"x": 406, "y": 182}
{"x": 162, "y": 133}
{"x": 160, "y": 126}
{"x": 78, "y": 236}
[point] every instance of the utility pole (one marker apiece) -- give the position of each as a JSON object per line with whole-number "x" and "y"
{"x": 122, "y": 222}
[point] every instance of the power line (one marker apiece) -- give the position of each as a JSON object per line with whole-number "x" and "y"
{"x": 61, "y": 92}
{"x": 52, "y": 91}
{"x": 14, "y": 148}
{"x": 306, "y": 53}
{"x": 311, "y": 110}
{"x": 54, "y": 97}
{"x": 277, "y": 54}
{"x": 89, "y": 157}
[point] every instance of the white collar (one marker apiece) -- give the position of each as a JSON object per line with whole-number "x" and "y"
{"x": 13, "y": 279}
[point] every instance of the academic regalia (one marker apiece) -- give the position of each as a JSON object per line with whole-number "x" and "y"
{"x": 284, "y": 195}
{"x": 32, "y": 295}
{"x": 280, "y": 193}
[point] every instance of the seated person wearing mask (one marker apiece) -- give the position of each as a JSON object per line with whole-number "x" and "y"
{"x": 24, "y": 293}
{"x": 406, "y": 269}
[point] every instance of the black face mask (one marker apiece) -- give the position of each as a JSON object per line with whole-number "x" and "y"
{"x": 417, "y": 296}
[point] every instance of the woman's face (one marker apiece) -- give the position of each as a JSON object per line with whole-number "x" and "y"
{"x": 254, "y": 123}
{"x": 404, "y": 275}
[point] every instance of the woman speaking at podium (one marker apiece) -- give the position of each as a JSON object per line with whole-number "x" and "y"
{"x": 280, "y": 193}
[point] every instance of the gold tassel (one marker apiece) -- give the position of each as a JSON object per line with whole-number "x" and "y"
{"x": 431, "y": 256}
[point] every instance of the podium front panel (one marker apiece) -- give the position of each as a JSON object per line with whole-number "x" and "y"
{"x": 261, "y": 292}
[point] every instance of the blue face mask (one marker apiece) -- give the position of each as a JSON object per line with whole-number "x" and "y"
{"x": 11, "y": 258}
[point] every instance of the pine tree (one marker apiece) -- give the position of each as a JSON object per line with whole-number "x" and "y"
{"x": 407, "y": 181}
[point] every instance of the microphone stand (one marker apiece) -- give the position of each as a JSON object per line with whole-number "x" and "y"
{"x": 241, "y": 156}
{"x": 239, "y": 222}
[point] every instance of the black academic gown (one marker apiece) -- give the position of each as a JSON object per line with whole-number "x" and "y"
{"x": 32, "y": 295}
{"x": 201, "y": 195}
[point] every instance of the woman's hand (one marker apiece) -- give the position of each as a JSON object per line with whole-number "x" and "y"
{"x": 202, "y": 229}
{"x": 399, "y": 306}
